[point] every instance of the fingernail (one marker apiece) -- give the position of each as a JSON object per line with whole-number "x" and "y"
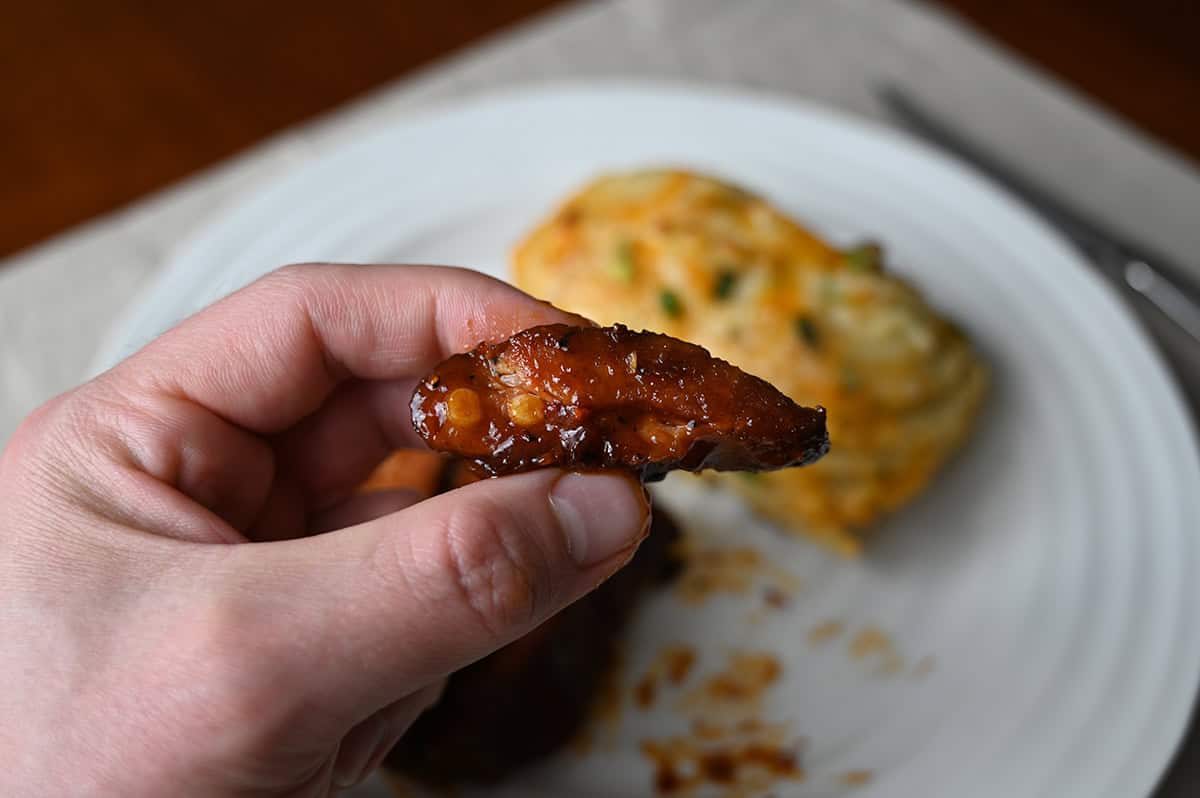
{"x": 602, "y": 514}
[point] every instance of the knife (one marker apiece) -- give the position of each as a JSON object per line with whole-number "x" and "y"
{"x": 1130, "y": 265}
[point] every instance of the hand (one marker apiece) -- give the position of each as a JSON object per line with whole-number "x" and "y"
{"x": 171, "y": 624}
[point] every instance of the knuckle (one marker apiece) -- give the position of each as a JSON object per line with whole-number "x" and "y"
{"x": 299, "y": 281}
{"x": 497, "y": 568}
{"x": 47, "y": 441}
{"x": 293, "y": 273}
{"x": 39, "y": 423}
{"x": 291, "y": 285}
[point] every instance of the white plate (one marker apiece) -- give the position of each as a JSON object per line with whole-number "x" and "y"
{"x": 1050, "y": 572}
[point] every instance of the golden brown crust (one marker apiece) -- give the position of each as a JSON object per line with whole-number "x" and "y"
{"x": 710, "y": 263}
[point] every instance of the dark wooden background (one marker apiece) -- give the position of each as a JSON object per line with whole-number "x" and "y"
{"x": 104, "y": 100}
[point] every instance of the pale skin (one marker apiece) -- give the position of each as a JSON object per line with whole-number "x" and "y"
{"x": 196, "y": 603}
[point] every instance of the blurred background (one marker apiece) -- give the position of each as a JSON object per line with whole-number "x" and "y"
{"x": 107, "y": 100}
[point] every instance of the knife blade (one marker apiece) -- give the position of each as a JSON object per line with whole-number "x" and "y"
{"x": 1132, "y": 265}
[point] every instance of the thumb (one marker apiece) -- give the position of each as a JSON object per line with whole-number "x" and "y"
{"x": 379, "y": 610}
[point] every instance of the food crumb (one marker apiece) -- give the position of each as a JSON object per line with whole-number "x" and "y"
{"x": 750, "y": 726}
{"x": 785, "y": 581}
{"x": 735, "y": 693}
{"x": 729, "y": 751}
{"x": 646, "y": 690}
{"x": 683, "y": 765}
{"x": 667, "y": 781}
{"x": 871, "y": 642}
{"x": 892, "y": 665}
{"x": 673, "y": 663}
{"x": 826, "y": 631}
{"x": 923, "y": 667}
{"x": 705, "y": 730}
{"x": 737, "y": 570}
{"x": 679, "y": 662}
{"x": 857, "y": 778}
{"x": 743, "y": 683}
{"x": 718, "y": 766}
{"x": 716, "y": 570}
{"x": 774, "y": 597}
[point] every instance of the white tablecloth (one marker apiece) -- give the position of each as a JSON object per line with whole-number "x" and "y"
{"x": 57, "y": 300}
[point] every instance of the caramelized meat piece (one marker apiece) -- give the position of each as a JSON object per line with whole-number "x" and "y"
{"x": 528, "y": 699}
{"x": 608, "y": 397}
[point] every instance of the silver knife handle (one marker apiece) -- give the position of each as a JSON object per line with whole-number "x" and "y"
{"x": 1164, "y": 295}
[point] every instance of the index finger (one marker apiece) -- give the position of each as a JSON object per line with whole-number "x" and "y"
{"x": 269, "y": 355}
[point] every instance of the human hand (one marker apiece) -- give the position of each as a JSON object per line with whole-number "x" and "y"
{"x": 171, "y": 622}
